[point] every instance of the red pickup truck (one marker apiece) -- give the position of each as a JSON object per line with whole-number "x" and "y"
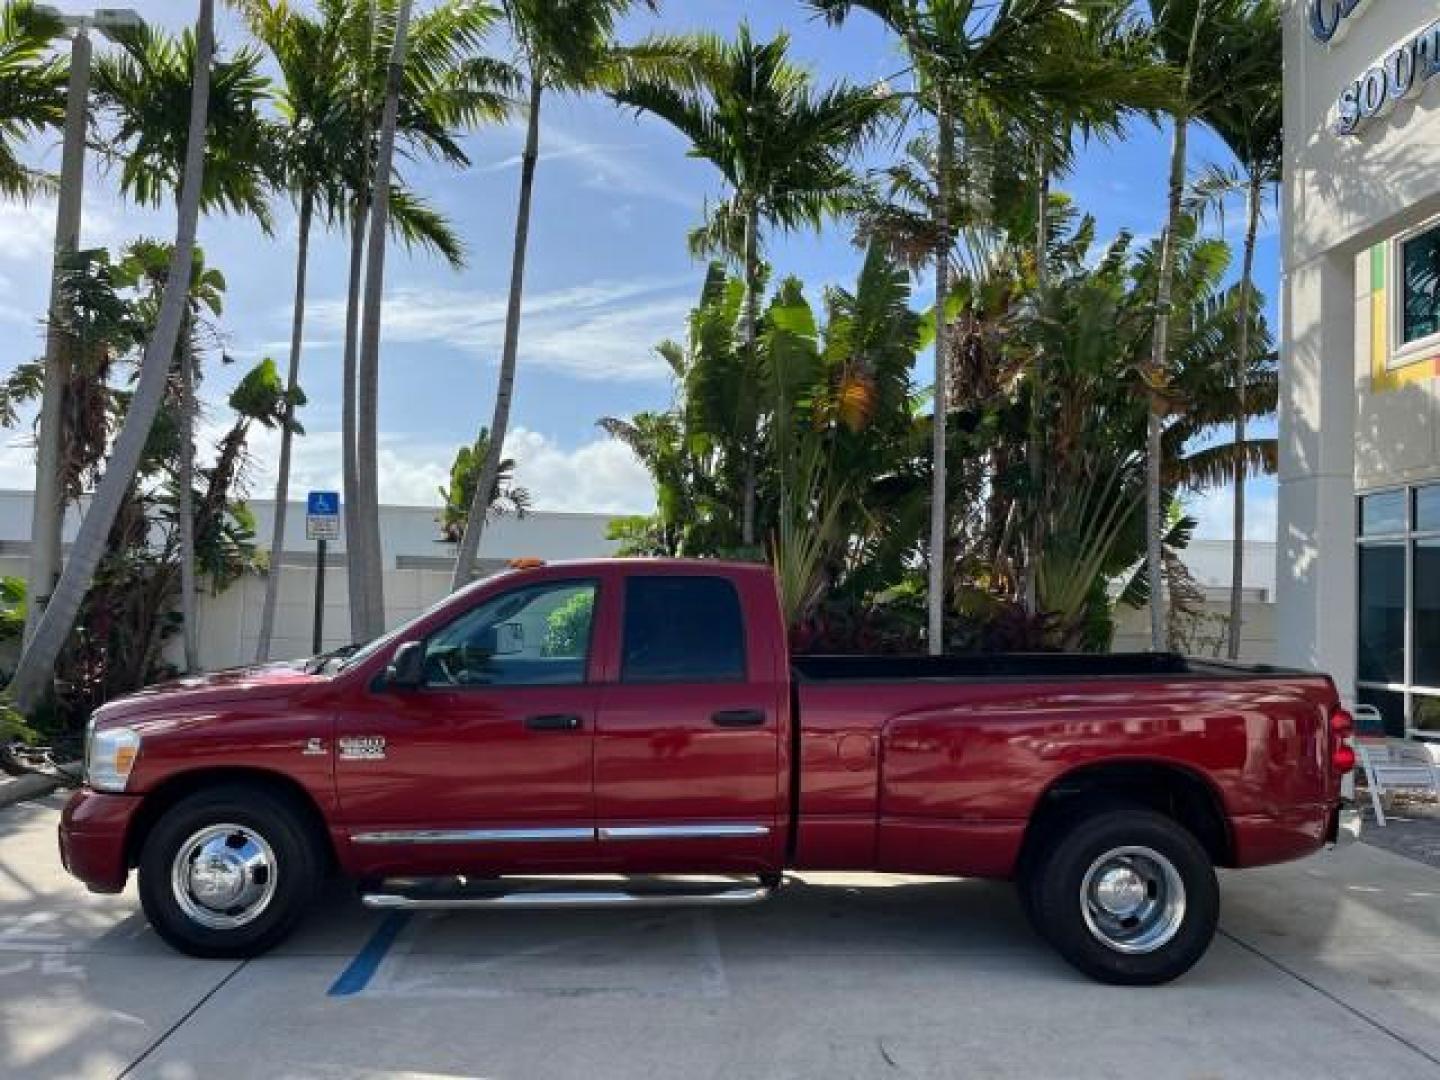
{"x": 640, "y": 718}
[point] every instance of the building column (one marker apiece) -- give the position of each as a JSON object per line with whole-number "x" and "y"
{"x": 1316, "y": 618}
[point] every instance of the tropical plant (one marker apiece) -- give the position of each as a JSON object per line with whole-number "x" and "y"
{"x": 506, "y": 497}
{"x": 32, "y": 92}
{"x": 441, "y": 86}
{"x": 145, "y": 86}
{"x": 984, "y": 74}
{"x": 838, "y": 435}
{"x": 564, "y": 46}
{"x": 783, "y": 149}
{"x": 56, "y": 622}
{"x": 135, "y": 604}
{"x": 144, "y": 267}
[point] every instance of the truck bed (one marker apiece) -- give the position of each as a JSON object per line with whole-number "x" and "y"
{"x": 1026, "y": 667}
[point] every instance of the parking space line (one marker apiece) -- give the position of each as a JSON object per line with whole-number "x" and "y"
{"x": 186, "y": 1016}
{"x": 362, "y": 969}
{"x": 1351, "y": 1009}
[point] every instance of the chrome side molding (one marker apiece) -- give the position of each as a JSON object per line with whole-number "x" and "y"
{"x": 694, "y": 831}
{"x": 698, "y": 831}
{"x": 735, "y": 896}
{"x": 473, "y": 836}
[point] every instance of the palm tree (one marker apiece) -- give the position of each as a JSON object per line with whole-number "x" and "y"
{"x": 312, "y": 136}
{"x": 976, "y": 67}
{"x": 1208, "y": 42}
{"x": 32, "y": 92}
{"x": 1250, "y": 121}
{"x": 53, "y": 628}
{"x": 783, "y": 150}
{"x": 1106, "y": 51}
{"x": 145, "y": 84}
{"x": 506, "y": 497}
{"x": 562, "y": 46}
{"x": 445, "y": 87}
{"x": 365, "y": 542}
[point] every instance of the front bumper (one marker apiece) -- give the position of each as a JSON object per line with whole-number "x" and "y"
{"x": 93, "y": 831}
{"x": 1344, "y": 828}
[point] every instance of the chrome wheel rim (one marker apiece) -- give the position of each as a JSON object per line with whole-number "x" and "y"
{"x": 224, "y": 876}
{"x": 1133, "y": 899}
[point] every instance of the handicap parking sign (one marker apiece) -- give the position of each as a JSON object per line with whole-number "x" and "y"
{"x": 322, "y": 515}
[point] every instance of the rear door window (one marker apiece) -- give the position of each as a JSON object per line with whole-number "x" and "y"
{"x": 682, "y": 629}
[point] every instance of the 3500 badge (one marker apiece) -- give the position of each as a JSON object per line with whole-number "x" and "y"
{"x": 362, "y": 748}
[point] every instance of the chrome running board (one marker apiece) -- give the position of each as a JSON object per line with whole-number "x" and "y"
{"x": 445, "y": 895}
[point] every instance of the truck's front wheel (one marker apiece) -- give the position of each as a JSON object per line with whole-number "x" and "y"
{"x": 1128, "y": 896}
{"x": 228, "y": 872}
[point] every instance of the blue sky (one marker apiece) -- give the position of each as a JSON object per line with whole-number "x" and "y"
{"x": 608, "y": 277}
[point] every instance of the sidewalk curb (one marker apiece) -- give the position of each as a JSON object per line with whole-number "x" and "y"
{"x": 28, "y": 787}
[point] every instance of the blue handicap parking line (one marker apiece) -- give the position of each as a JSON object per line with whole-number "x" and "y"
{"x": 367, "y": 961}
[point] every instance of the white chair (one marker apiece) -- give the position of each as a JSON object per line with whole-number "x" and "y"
{"x": 1395, "y": 767}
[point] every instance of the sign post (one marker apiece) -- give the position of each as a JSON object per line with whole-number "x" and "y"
{"x": 322, "y": 524}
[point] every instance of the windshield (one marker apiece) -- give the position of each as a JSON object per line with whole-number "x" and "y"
{"x": 370, "y": 648}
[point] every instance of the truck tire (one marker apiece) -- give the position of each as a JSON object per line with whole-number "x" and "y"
{"x": 228, "y": 872}
{"x": 1128, "y": 896}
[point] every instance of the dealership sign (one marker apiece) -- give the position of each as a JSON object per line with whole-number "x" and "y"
{"x": 1403, "y": 73}
{"x": 1329, "y": 19}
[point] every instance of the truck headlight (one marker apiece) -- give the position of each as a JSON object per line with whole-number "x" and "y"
{"x": 109, "y": 756}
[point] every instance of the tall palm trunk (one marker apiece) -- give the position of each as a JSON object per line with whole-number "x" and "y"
{"x": 752, "y": 362}
{"x": 945, "y": 167}
{"x": 349, "y": 486}
{"x": 186, "y": 503}
{"x": 292, "y": 385}
{"x": 48, "y": 512}
{"x": 1159, "y": 355}
{"x": 37, "y": 662}
{"x": 505, "y": 389}
{"x": 367, "y": 389}
{"x": 1035, "y": 536}
{"x": 1242, "y": 373}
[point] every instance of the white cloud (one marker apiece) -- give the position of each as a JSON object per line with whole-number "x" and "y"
{"x": 601, "y": 331}
{"x": 29, "y": 231}
{"x": 598, "y": 476}
{"x": 611, "y": 167}
{"x": 1214, "y": 510}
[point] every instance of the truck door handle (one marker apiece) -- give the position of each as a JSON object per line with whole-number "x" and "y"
{"x": 554, "y": 722}
{"x": 732, "y": 718}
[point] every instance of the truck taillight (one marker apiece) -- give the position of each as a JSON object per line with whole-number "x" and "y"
{"x": 1342, "y": 754}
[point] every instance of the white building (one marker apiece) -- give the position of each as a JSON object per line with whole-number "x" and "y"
{"x": 1358, "y": 565}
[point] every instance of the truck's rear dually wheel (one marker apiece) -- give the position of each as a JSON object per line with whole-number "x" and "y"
{"x": 228, "y": 872}
{"x": 1128, "y": 896}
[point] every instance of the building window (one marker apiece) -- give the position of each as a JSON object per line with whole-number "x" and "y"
{"x": 1420, "y": 286}
{"x": 1382, "y": 514}
{"x": 1398, "y": 661}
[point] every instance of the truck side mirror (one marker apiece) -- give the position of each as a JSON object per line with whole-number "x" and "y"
{"x": 406, "y": 669}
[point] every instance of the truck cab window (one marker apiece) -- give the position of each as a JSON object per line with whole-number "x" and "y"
{"x": 535, "y": 636}
{"x": 682, "y": 629}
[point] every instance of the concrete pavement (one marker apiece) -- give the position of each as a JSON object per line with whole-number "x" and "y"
{"x": 1330, "y": 967}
